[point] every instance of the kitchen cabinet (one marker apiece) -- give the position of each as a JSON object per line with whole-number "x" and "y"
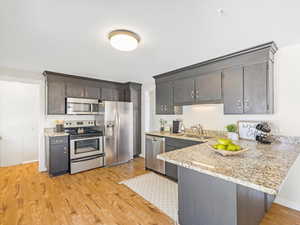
{"x": 233, "y": 90}
{"x": 111, "y": 94}
{"x": 92, "y": 92}
{"x": 75, "y": 88}
{"x": 208, "y": 88}
{"x": 246, "y": 89}
{"x": 133, "y": 94}
{"x": 242, "y": 80}
{"x": 172, "y": 144}
{"x": 56, "y": 94}
{"x": 59, "y": 86}
{"x": 57, "y": 155}
{"x": 204, "y": 88}
{"x": 164, "y": 98}
{"x": 256, "y": 89}
{"x": 78, "y": 88}
{"x": 184, "y": 91}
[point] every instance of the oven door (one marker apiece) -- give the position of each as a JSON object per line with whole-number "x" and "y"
{"x": 85, "y": 147}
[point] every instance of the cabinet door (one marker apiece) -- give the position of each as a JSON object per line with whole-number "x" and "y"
{"x": 233, "y": 90}
{"x": 55, "y": 95}
{"x": 184, "y": 91}
{"x": 171, "y": 169}
{"x": 59, "y": 158}
{"x": 209, "y": 88}
{"x": 75, "y": 90}
{"x": 255, "y": 89}
{"x": 106, "y": 94}
{"x": 164, "y": 100}
{"x": 92, "y": 92}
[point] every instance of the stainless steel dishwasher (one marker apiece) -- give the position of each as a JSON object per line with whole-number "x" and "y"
{"x": 155, "y": 146}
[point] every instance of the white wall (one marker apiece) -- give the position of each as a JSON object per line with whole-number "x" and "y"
{"x": 286, "y": 120}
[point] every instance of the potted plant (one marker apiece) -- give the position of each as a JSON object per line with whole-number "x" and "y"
{"x": 232, "y": 132}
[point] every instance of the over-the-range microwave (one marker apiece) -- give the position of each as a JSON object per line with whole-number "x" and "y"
{"x": 84, "y": 106}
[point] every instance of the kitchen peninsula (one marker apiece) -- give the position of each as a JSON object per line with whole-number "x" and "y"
{"x": 235, "y": 190}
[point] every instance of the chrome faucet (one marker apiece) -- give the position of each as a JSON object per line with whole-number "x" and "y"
{"x": 199, "y": 129}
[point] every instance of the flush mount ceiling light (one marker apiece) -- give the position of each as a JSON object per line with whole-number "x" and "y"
{"x": 124, "y": 40}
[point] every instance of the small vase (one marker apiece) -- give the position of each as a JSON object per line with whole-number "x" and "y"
{"x": 233, "y": 136}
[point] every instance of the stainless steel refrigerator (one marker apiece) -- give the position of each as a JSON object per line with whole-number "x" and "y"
{"x": 118, "y": 122}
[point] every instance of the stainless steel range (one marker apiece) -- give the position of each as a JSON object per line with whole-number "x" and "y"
{"x": 86, "y": 145}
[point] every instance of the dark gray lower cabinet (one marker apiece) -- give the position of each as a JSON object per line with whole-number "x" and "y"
{"x": 207, "y": 200}
{"x": 57, "y": 155}
{"x": 171, "y": 169}
{"x": 172, "y": 144}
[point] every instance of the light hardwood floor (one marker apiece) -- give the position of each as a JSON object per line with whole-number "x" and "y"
{"x": 28, "y": 197}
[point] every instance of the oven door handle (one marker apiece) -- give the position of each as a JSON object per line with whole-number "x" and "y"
{"x": 86, "y": 158}
{"x": 82, "y": 139}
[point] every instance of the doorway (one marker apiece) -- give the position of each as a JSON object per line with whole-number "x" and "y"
{"x": 19, "y": 122}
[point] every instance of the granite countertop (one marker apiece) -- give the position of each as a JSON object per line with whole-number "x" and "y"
{"x": 50, "y": 132}
{"x": 263, "y": 167}
{"x": 178, "y": 136}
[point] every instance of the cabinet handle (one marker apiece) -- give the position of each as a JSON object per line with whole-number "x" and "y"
{"x": 166, "y": 108}
{"x": 192, "y": 94}
{"x": 197, "y": 94}
{"x": 247, "y": 105}
{"x": 239, "y": 104}
{"x": 161, "y": 107}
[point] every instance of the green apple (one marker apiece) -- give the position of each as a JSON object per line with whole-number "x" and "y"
{"x": 221, "y": 147}
{"x": 231, "y": 147}
{"x": 224, "y": 141}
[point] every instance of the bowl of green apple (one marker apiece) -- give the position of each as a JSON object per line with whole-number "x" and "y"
{"x": 226, "y": 147}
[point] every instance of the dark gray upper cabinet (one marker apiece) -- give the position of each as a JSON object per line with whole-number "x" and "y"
{"x": 164, "y": 98}
{"x": 60, "y": 86}
{"x": 75, "y": 88}
{"x": 92, "y": 92}
{"x": 247, "y": 90}
{"x": 184, "y": 91}
{"x": 242, "y": 80}
{"x": 208, "y": 88}
{"x": 256, "y": 89}
{"x": 111, "y": 94}
{"x": 56, "y": 93}
{"x": 233, "y": 90}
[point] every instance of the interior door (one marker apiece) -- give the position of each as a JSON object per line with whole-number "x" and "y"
{"x": 20, "y": 110}
{"x": 125, "y": 131}
{"x": 110, "y": 146}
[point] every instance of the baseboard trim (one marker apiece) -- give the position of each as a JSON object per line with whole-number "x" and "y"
{"x": 288, "y": 203}
{"x": 30, "y": 161}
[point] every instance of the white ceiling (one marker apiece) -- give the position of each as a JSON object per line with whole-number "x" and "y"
{"x": 70, "y": 36}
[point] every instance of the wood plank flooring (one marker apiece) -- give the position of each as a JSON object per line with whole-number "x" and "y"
{"x": 28, "y": 197}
